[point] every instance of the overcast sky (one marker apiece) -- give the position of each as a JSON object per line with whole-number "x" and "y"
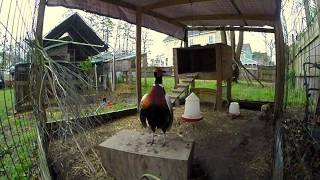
{"x": 54, "y": 15}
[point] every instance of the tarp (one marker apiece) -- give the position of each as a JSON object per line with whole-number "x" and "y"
{"x": 173, "y": 17}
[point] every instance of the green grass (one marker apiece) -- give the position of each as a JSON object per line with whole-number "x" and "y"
{"x": 6, "y": 101}
{"x": 17, "y": 139}
{"x": 240, "y": 91}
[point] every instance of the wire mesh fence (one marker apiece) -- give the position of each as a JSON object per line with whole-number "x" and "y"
{"x": 19, "y": 153}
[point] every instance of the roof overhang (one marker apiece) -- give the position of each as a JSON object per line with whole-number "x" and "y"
{"x": 174, "y": 17}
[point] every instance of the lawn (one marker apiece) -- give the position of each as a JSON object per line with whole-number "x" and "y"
{"x": 6, "y": 100}
{"x": 17, "y": 139}
{"x": 240, "y": 91}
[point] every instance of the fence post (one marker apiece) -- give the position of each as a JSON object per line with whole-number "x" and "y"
{"x": 280, "y": 70}
{"x": 38, "y": 94}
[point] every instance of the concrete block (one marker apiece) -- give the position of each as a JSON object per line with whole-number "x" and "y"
{"x": 127, "y": 156}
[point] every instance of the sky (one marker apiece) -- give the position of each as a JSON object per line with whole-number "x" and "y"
{"x": 293, "y": 14}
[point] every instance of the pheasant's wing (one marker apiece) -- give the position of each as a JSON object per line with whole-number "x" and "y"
{"x": 143, "y": 117}
{"x": 143, "y": 111}
{"x": 170, "y": 115}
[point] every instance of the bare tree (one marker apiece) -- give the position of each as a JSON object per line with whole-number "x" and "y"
{"x": 306, "y": 6}
{"x": 146, "y": 41}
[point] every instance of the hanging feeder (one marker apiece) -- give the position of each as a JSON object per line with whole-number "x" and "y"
{"x": 234, "y": 109}
{"x": 192, "y": 109}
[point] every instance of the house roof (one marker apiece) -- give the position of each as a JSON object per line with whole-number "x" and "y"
{"x": 76, "y": 31}
{"x": 246, "y": 46}
{"x": 173, "y": 17}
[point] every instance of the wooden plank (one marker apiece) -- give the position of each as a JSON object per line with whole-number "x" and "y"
{"x": 188, "y": 80}
{"x": 174, "y": 95}
{"x": 280, "y": 70}
{"x": 138, "y": 57}
{"x": 182, "y": 85}
{"x": 178, "y": 90}
{"x": 238, "y": 10}
{"x": 227, "y": 17}
{"x": 167, "y": 3}
{"x": 231, "y": 28}
{"x": 143, "y": 10}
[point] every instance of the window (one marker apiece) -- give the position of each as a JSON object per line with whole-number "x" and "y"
{"x": 210, "y": 40}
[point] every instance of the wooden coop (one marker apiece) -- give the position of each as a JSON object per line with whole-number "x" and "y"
{"x": 124, "y": 68}
{"x": 73, "y": 41}
{"x": 211, "y": 62}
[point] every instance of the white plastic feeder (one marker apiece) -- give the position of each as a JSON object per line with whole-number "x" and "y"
{"x": 192, "y": 108}
{"x": 234, "y": 108}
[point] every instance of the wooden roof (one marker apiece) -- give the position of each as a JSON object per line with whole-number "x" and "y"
{"x": 174, "y": 17}
{"x": 79, "y": 32}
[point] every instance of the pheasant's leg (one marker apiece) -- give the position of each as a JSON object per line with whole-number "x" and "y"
{"x": 164, "y": 139}
{"x": 151, "y": 142}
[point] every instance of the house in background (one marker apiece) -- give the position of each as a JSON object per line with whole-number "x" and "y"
{"x": 73, "y": 41}
{"x": 262, "y": 59}
{"x": 194, "y": 38}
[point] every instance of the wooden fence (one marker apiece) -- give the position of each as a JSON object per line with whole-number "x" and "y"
{"x": 263, "y": 73}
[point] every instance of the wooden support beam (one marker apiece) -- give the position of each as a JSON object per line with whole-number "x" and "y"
{"x": 239, "y": 12}
{"x": 280, "y": 70}
{"x": 144, "y": 11}
{"x": 231, "y": 28}
{"x": 229, "y": 87}
{"x": 226, "y": 17}
{"x": 175, "y": 67}
{"x": 167, "y": 3}
{"x": 186, "y": 38}
{"x": 219, "y": 70}
{"x": 138, "y": 56}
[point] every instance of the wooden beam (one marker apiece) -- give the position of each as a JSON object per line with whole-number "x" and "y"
{"x": 239, "y": 12}
{"x": 280, "y": 70}
{"x": 144, "y": 11}
{"x": 164, "y": 18}
{"x": 226, "y": 17}
{"x": 122, "y": 4}
{"x": 167, "y": 3}
{"x": 232, "y": 28}
{"x": 186, "y": 38}
{"x": 138, "y": 56}
{"x": 175, "y": 67}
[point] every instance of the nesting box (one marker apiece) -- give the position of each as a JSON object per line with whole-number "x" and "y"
{"x": 211, "y": 62}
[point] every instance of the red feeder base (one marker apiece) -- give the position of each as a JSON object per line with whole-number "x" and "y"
{"x": 187, "y": 119}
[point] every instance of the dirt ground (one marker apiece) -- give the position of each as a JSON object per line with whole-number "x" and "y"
{"x": 225, "y": 148}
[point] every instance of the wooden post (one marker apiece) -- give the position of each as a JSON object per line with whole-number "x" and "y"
{"x": 280, "y": 70}
{"x": 229, "y": 86}
{"x": 175, "y": 67}
{"x": 186, "y": 38}
{"x": 138, "y": 56}
{"x": 37, "y": 96}
{"x": 114, "y": 75}
{"x": 96, "y": 76}
{"x": 219, "y": 78}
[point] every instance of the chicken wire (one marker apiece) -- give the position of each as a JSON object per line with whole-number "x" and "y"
{"x": 19, "y": 152}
